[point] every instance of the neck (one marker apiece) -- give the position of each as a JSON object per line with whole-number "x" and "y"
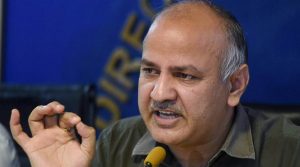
{"x": 199, "y": 156}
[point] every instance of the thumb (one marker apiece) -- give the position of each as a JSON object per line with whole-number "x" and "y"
{"x": 88, "y": 137}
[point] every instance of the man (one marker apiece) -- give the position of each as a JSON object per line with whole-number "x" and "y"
{"x": 193, "y": 74}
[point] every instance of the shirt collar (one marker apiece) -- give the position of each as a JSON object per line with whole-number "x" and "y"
{"x": 144, "y": 145}
{"x": 239, "y": 142}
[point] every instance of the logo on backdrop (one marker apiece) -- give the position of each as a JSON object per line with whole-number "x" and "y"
{"x": 118, "y": 84}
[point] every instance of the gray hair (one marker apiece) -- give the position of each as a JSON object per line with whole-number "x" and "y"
{"x": 236, "y": 52}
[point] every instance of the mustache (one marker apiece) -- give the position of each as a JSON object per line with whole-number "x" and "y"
{"x": 168, "y": 104}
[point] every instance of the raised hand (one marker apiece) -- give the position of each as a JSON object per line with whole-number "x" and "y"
{"x": 53, "y": 142}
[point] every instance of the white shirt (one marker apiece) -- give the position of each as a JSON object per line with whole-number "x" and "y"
{"x": 8, "y": 154}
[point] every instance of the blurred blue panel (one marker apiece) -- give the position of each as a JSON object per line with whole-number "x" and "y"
{"x": 73, "y": 42}
{"x": 272, "y": 30}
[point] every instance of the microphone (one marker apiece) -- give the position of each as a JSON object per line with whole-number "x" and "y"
{"x": 155, "y": 157}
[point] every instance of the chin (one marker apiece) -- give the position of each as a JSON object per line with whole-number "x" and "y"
{"x": 164, "y": 136}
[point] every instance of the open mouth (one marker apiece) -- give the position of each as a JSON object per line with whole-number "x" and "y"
{"x": 167, "y": 114}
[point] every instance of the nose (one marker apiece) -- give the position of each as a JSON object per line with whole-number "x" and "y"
{"x": 163, "y": 89}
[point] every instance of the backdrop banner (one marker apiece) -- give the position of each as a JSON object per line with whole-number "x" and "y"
{"x": 100, "y": 42}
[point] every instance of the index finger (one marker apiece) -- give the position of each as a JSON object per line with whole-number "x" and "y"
{"x": 36, "y": 118}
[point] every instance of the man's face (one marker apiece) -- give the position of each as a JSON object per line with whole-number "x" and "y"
{"x": 181, "y": 96}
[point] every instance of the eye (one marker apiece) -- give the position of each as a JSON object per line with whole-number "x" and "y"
{"x": 185, "y": 76}
{"x": 148, "y": 71}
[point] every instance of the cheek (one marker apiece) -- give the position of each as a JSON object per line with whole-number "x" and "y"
{"x": 198, "y": 101}
{"x": 192, "y": 98}
{"x": 207, "y": 103}
{"x": 199, "y": 106}
{"x": 144, "y": 90}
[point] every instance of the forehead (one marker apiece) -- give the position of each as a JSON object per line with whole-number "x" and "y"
{"x": 186, "y": 34}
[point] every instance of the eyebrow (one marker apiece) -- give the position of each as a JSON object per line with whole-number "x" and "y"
{"x": 173, "y": 68}
{"x": 148, "y": 63}
{"x": 185, "y": 68}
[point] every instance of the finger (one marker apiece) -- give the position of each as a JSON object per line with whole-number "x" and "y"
{"x": 56, "y": 106}
{"x": 68, "y": 120}
{"x": 51, "y": 120}
{"x": 38, "y": 115}
{"x": 88, "y": 137}
{"x": 36, "y": 119}
{"x": 16, "y": 128}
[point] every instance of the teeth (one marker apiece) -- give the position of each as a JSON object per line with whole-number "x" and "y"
{"x": 167, "y": 114}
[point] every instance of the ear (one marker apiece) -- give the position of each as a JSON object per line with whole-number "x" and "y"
{"x": 238, "y": 82}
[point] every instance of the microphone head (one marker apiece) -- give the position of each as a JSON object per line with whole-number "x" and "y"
{"x": 155, "y": 157}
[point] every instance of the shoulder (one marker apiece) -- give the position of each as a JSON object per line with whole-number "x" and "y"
{"x": 276, "y": 138}
{"x": 4, "y": 133}
{"x": 265, "y": 123}
{"x": 126, "y": 126}
{"x": 7, "y": 150}
{"x": 116, "y": 143}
